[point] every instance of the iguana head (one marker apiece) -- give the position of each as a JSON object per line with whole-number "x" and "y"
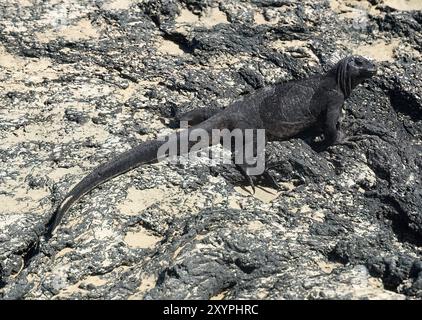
{"x": 352, "y": 71}
{"x": 361, "y": 68}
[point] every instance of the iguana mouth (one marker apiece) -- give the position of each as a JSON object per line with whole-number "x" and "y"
{"x": 372, "y": 71}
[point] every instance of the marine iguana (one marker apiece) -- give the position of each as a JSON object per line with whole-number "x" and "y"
{"x": 307, "y": 107}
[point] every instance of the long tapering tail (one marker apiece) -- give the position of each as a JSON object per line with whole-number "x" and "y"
{"x": 141, "y": 154}
{"x": 147, "y": 152}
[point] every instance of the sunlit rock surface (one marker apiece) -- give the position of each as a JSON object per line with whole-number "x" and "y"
{"x": 81, "y": 81}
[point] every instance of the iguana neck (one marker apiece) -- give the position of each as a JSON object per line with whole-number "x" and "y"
{"x": 343, "y": 79}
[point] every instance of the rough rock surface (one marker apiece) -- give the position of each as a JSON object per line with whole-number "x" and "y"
{"x": 83, "y": 80}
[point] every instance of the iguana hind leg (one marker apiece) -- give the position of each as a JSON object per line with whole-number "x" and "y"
{"x": 253, "y": 156}
{"x": 199, "y": 115}
{"x": 247, "y": 177}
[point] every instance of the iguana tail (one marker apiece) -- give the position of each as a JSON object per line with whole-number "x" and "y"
{"x": 144, "y": 153}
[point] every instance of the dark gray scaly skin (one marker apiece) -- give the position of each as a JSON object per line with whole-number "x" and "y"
{"x": 199, "y": 115}
{"x": 306, "y": 107}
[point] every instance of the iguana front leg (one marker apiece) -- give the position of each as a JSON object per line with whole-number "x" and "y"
{"x": 331, "y": 127}
{"x": 341, "y": 137}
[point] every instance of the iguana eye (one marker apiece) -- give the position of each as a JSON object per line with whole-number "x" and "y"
{"x": 358, "y": 62}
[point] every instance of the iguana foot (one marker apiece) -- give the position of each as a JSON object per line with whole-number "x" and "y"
{"x": 247, "y": 177}
{"x": 342, "y": 139}
{"x": 270, "y": 179}
{"x": 346, "y": 141}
